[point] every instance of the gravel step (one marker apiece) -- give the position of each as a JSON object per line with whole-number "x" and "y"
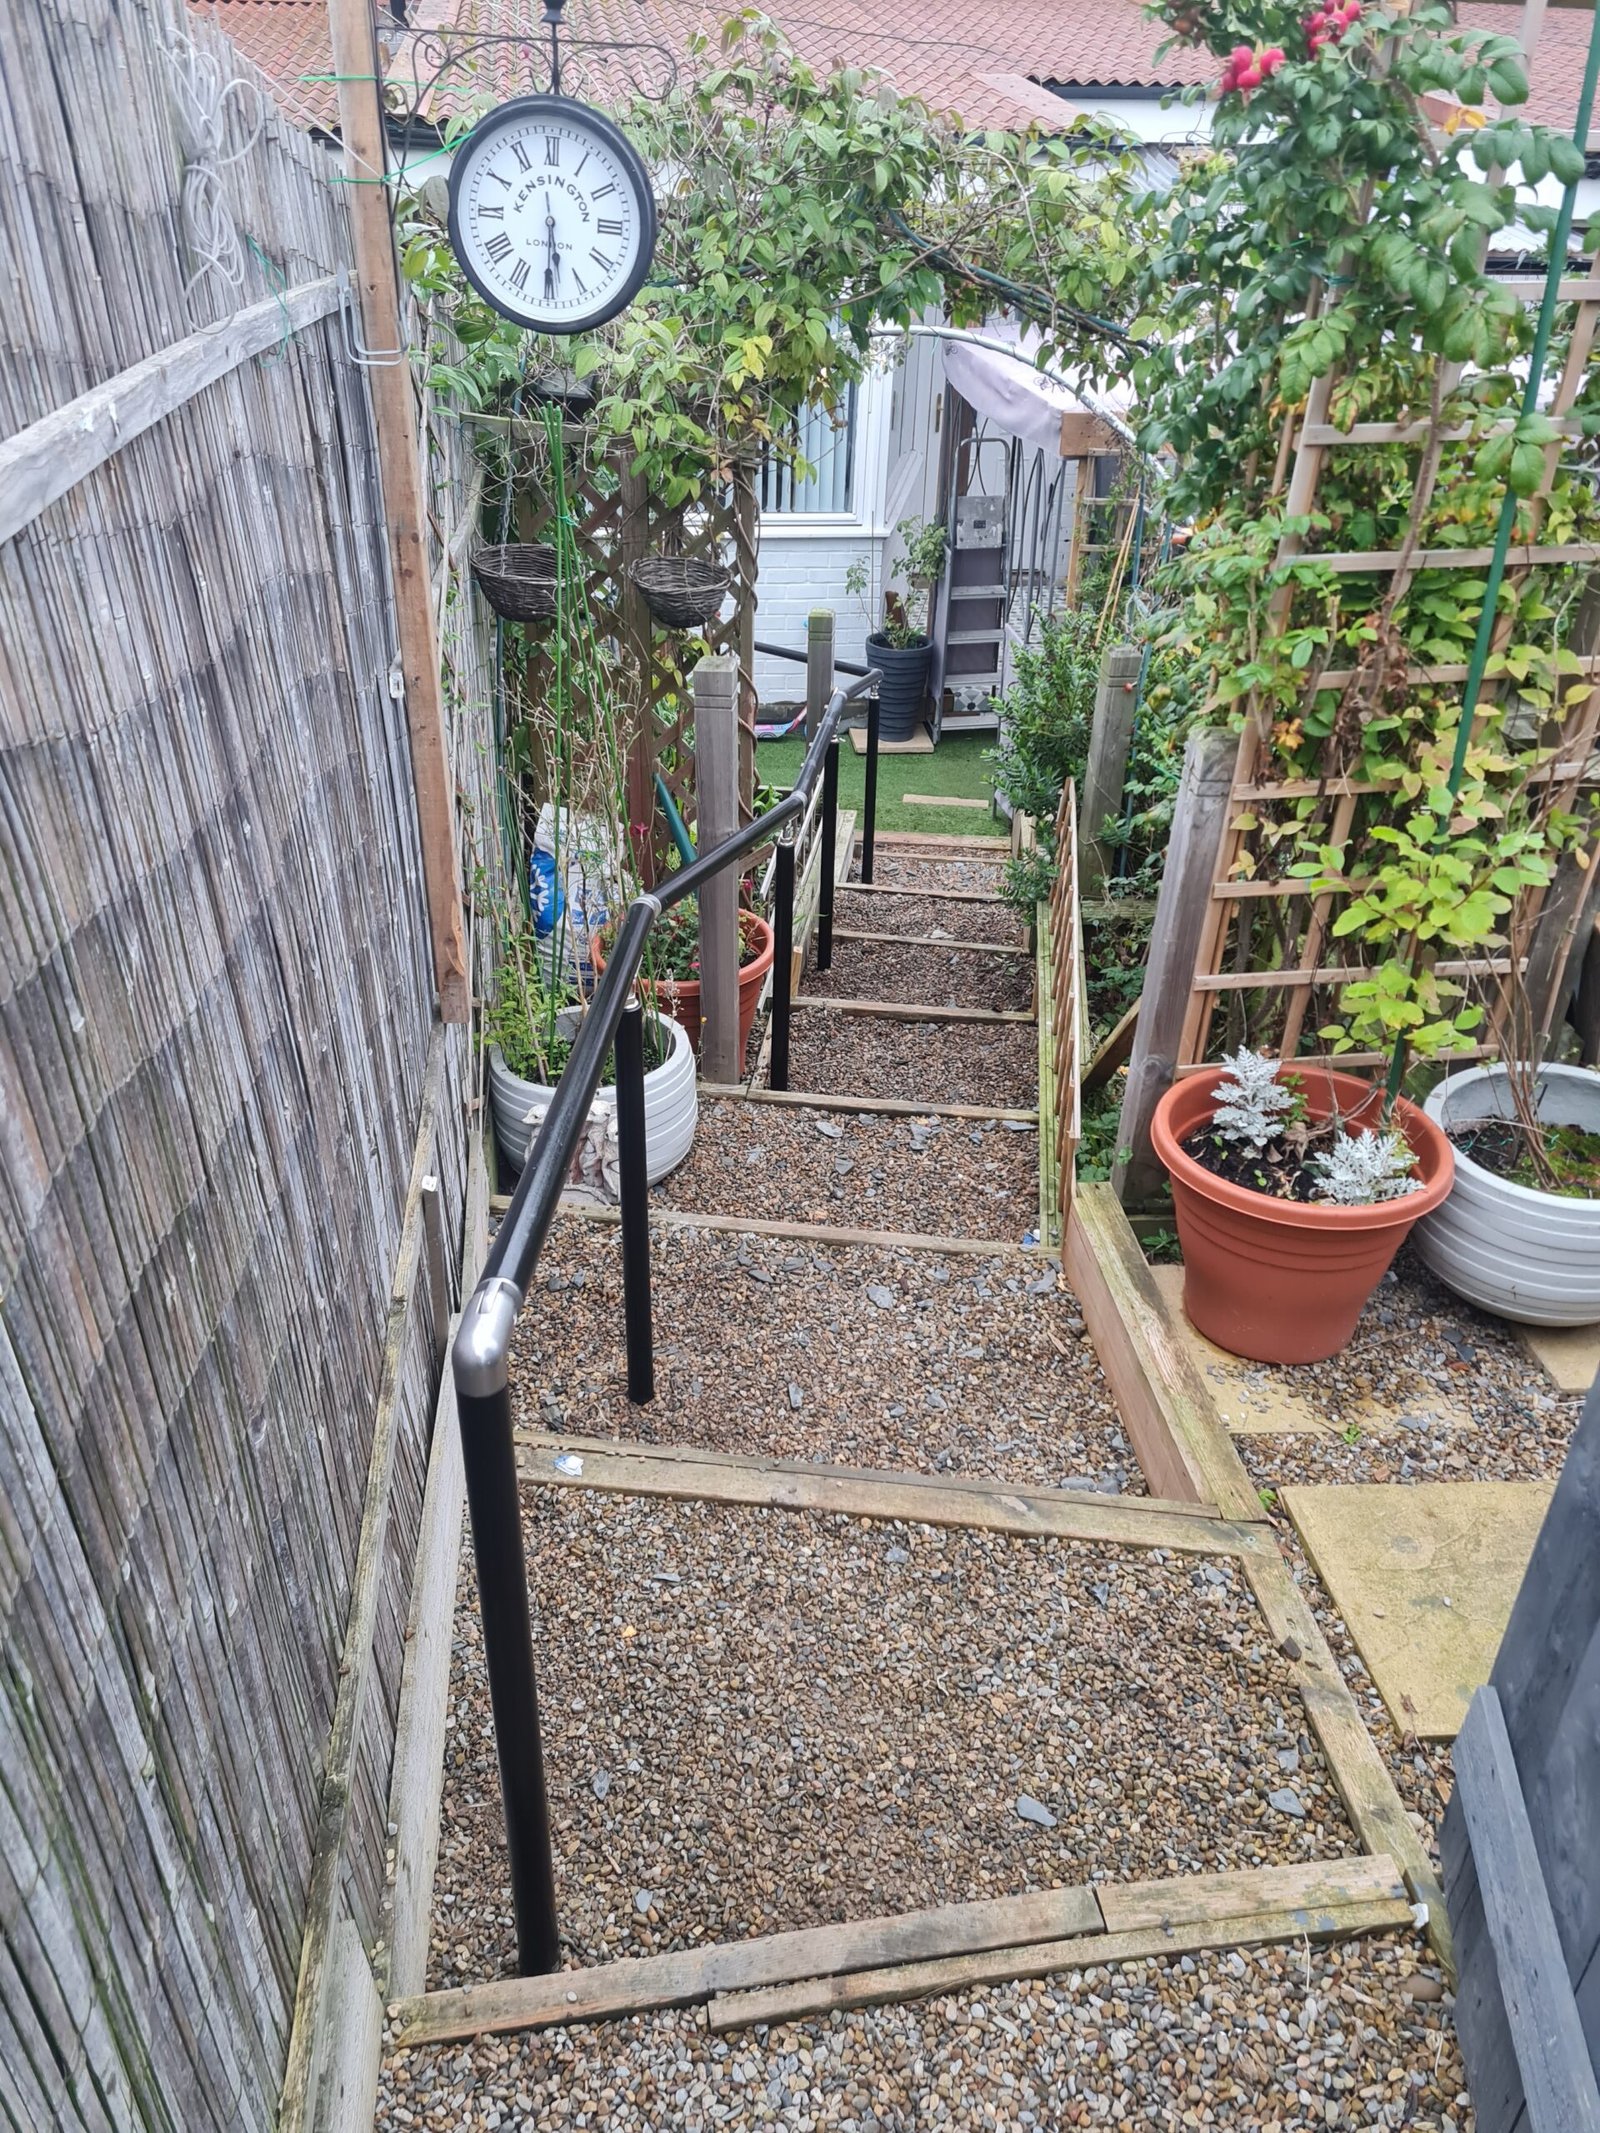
{"x": 909, "y": 1360}
{"x": 800, "y": 1720}
{"x": 863, "y": 913}
{"x": 917, "y": 1062}
{"x": 907, "y": 869}
{"x": 1328, "y": 2036}
{"x": 945, "y": 1177}
{"x": 925, "y": 977}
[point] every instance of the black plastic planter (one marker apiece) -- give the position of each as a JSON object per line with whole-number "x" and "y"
{"x": 904, "y": 688}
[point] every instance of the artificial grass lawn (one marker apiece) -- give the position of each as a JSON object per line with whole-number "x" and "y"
{"x": 956, "y": 766}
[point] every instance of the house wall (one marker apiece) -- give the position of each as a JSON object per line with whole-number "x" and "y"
{"x": 801, "y": 569}
{"x": 804, "y": 560}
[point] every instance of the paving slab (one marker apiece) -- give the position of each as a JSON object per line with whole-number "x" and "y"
{"x": 1571, "y": 1354}
{"x": 1251, "y": 1398}
{"x": 1424, "y": 1575}
{"x": 1270, "y": 1399}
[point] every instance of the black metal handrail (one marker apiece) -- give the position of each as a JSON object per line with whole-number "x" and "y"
{"x": 480, "y": 1356}
{"x": 801, "y": 659}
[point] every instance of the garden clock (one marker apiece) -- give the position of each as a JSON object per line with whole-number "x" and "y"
{"x": 551, "y": 214}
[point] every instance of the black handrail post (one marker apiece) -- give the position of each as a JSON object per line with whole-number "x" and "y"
{"x": 489, "y": 1457}
{"x": 628, "y": 1051}
{"x": 830, "y": 839}
{"x": 782, "y": 961}
{"x": 869, "y": 828}
{"x": 480, "y": 1354}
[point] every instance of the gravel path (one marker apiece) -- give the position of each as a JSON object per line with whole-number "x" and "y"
{"x": 879, "y": 970}
{"x": 757, "y": 1720}
{"x": 944, "y": 1177}
{"x": 859, "y": 1356}
{"x": 1422, "y": 1770}
{"x": 926, "y": 914}
{"x": 1422, "y": 1352}
{"x": 908, "y": 869}
{"x": 1468, "y": 1404}
{"x": 918, "y": 1062}
{"x": 1288, "y": 2039}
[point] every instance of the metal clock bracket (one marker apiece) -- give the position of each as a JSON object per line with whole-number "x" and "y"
{"x": 355, "y": 347}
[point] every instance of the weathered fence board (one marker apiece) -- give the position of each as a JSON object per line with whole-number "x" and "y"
{"x": 215, "y": 1013}
{"x": 1529, "y": 2015}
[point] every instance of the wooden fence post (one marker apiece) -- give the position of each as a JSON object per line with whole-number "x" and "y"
{"x": 819, "y": 667}
{"x": 716, "y": 767}
{"x": 1181, "y": 907}
{"x": 1116, "y": 704}
{"x": 1082, "y": 481}
{"x": 394, "y": 419}
{"x": 639, "y": 774}
{"x": 746, "y": 535}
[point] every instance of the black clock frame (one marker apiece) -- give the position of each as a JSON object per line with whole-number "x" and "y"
{"x": 558, "y": 107}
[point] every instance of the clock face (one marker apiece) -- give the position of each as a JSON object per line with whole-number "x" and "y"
{"x": 551, "y": 214}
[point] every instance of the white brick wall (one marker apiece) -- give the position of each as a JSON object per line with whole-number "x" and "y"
{"x": 800, "y": 571}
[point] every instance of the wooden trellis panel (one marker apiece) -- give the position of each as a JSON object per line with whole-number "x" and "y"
{"x": 1298, "y": 964}
{"x": 1061, "y": 1029}
{"x": 616, "y": 522}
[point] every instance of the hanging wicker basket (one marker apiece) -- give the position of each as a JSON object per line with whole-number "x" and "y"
{"x": 681, "y": 592}
{"x": 518, "y": 581}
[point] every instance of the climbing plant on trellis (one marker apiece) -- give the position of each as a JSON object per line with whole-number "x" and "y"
{"x": 616, "y": 522}
{"x": 1347, "y": 397}
{"x": 1295, "y": 955}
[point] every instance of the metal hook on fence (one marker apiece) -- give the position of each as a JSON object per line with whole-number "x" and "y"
{"x": 350, "y": 333}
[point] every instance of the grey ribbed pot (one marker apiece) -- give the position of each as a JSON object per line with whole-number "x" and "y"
{"x": 1525, "y": 1255}
{"x": 903, "y": 690}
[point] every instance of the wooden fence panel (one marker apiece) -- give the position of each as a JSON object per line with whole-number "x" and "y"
{"x": 1062, "y": 1023}
{"x": 216, "y": 1005}
{"x": 1528, "y": 1789}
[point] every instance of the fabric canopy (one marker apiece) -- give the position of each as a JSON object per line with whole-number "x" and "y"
{"x": 996, "y": 371}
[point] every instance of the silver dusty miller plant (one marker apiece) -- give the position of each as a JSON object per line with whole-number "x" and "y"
{"x": 1255, "y": 1108}
{"x": 1366, "y": 1166}
{"x": 1252, "y": 1101}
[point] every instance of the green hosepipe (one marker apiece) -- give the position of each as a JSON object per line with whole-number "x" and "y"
{"x": 1538, "y": 356}
{"x": 669, "y": 807}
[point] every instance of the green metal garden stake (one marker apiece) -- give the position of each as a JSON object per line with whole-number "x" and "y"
{"x": 1538, "y": 357}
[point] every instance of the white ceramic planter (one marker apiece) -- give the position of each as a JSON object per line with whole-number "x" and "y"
{"x": 1530, "y": 1256}
{"x": 671, "y": 1102}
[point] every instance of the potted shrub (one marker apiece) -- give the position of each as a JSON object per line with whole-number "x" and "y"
{"x": 529, "y": 1034}
{"x": 1520, "y": 1233}
{"x": 902, "y": 649}
{"x": 1292, "y": 1194}
{"x": 672, "y": 967}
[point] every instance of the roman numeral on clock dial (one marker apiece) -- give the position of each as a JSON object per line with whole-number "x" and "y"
{"x": 497, "y": 247}
{"x": 608, "y": 229}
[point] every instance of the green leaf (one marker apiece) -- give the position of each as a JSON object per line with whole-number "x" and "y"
{"x": 1526, "y": 470}
{"x": 1566, "y": 160}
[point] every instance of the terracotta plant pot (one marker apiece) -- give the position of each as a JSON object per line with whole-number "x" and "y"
{"x": 680, "y": 997}
{"x": 1283, "y": 1281}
